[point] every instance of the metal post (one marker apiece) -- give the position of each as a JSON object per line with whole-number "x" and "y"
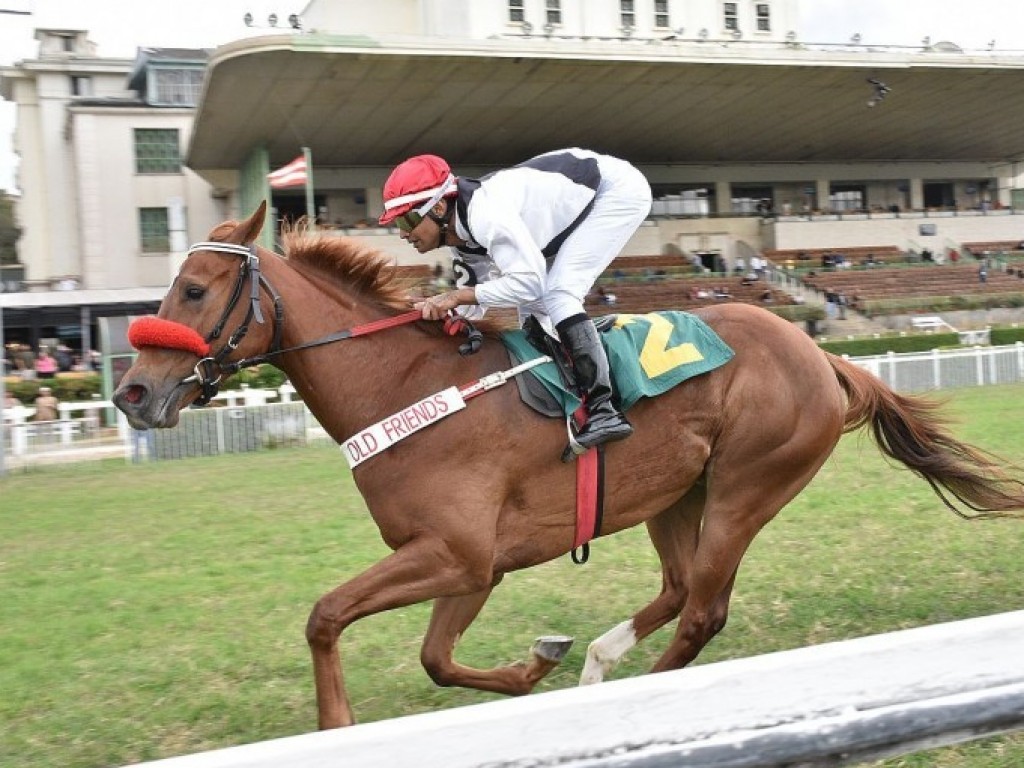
{"x": 3, "y": 392}
{"x": 307, "y": 153}
{"x": 85, "y": 320}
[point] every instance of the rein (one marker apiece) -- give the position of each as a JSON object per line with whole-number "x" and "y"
{"x": 211, "y": 369}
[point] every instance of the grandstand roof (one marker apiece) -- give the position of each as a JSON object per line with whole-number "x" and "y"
{"x": 361, "y": 101}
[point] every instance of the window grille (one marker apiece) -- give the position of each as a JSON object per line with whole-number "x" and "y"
{"x": 156, "y": 150}
{"x": 154, "y": 233}
{"x": 661, "y": 20}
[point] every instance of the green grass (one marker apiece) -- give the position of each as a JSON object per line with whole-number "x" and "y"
{"x": 158, "y": 610}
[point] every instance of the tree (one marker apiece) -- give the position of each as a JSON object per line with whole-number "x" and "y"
{"x": 9, "y": 231}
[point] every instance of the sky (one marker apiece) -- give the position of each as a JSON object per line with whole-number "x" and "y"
{"x": 119, "y": 27}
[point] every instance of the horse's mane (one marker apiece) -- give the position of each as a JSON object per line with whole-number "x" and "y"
{"x": 362, "y": 268}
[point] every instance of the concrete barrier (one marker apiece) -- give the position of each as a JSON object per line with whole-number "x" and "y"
{"x": 832, "y": 704}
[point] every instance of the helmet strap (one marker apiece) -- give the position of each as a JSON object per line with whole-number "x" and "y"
{"x": 443, "y": 222}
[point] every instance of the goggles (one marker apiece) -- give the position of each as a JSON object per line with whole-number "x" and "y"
{"x": 407, "y": 222}
{"x": 411, "y": 219}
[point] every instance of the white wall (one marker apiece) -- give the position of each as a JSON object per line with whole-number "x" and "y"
{"x": 480, "y": 19}
{"x": 902, "y": 231}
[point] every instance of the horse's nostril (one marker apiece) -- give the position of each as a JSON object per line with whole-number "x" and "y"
{"x": 132, "y": 394}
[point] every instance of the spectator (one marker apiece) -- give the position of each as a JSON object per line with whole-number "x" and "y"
{"x": 65, "y": 359}
{"x": 758, "y": 265}
{"x": 46, "y": 365}
{"x": 830, "y": 302}
{"x": 46, "y": 405}
{"x": 982, "y": 273}
{"x": 439, "y": 280}
{"x": 25, "y": 361}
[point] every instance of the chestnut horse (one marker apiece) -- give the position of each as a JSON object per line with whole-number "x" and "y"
{"x": 482, "y": 493}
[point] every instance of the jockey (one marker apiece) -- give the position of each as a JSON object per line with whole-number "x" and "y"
{"x": 535, "y": 237}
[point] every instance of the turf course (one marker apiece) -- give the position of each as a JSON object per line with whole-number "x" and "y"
{"x": 158, "y": 610}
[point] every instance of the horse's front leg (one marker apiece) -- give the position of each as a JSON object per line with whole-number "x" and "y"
{"x": 419, "y": 570}
{"x": 448, "y": 622}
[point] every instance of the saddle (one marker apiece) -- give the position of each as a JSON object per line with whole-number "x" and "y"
{"x": 648, "y": 355}
{"x": 531, "y": 389}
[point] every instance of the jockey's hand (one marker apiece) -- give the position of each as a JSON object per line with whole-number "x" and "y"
{"x": 437, "y": 307}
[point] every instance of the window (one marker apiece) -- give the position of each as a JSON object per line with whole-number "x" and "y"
{"x": 764, "y": 17}
{"x": 156, "y": 150}
{"x": 732, "y": 20}
{"x": 516, "y": 12}
{"x": 81, "y": 86}
{"x": 627, "y": 14}
{"x": 177, "y": 86}
{"x": 661, "y": 20}
{"x": 154, "y": 233}
{"x": 554, "y": 12}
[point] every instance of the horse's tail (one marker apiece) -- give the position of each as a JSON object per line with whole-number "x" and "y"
{"x": 908, "y": 429}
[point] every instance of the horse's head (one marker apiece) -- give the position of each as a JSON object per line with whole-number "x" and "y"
{"x": 211, "y": 316}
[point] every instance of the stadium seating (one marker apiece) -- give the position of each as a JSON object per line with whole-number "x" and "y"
{"x": 880, "y": 283}
{"x": 981, "y": 248}
{"x": 856, "y": 255}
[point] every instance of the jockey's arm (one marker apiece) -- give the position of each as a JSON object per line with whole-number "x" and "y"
{"x": 436, "y": 307}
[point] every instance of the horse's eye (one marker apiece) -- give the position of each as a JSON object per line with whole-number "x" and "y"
{"x": 194, "y": 292}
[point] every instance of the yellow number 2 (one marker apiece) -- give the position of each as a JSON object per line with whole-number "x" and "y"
{"x": 657, "y": 357}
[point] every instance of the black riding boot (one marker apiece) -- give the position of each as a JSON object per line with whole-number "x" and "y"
{"x": 593, "y": 378}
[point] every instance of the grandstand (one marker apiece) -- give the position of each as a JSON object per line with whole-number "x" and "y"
{"x": 868, "y": 288}
{"x": 688, "y": 292}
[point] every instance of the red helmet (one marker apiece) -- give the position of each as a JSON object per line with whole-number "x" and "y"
{"x": 423, "y": 179}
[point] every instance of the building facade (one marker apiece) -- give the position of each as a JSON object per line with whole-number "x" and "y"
{"x": 105, "y": 197}
{"x": 750, "y": 137}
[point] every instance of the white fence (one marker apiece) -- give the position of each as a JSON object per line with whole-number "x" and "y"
{"x": 826, "y": 705}
{"x": 948, "y": 368}
{"x": 253, "y": 419}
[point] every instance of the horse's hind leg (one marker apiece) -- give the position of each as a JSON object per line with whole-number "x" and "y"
{"x": 741, "y": 500}
{"x": 674, "y": 533}
{"x": 450, "y": 619}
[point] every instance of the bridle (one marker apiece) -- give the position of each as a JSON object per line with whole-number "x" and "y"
{"x": 211, "y": 369}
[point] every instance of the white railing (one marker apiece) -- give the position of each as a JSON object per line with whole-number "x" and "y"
{"x": 249, "y": 419}
{"x": 948, "y": 368}
{"x": 826, "y": 705}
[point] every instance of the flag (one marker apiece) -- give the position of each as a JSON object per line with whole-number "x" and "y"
{"x": 291, "y": 175}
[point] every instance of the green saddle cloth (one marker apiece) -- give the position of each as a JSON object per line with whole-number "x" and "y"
{"x": 649, "y": 354}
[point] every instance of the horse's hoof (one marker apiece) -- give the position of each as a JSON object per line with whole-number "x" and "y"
{"x": 552, "y": 647}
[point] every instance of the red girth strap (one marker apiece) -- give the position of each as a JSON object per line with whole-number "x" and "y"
{"x": 589, "y": 496}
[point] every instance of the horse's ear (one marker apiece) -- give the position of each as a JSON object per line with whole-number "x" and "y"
{"x": 247, "y": 231}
